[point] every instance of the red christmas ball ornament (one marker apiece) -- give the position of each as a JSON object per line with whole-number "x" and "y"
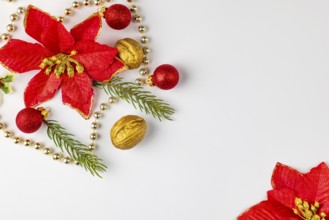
{"x": 165, "y": 77}
{"x": 29, "y": 120}
{"x": 118, "y": 16}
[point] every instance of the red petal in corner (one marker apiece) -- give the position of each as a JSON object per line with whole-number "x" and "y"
{"x": 89, "y": 29}
{"x": 286, "y": 197}
{"x": 41, "y": 88}
{"x": 36, "y": 21}
{"x": 78, "y": 93}
{"x": 20, "y": 56}
{"x": 268, "y": 210}
{"x": 56, "y": 38}
{"x": 94, "y": 56}
{"x": 285, "y": 177}
{"x": 315, "y": 186}
{"x": 116, "y": 67}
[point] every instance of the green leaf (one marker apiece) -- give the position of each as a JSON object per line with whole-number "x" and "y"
{"x": 6, "y": 88}
{"x": 138, "y": 97}
{"x": 78, "y": 151}
{"x": 7, "y": 78}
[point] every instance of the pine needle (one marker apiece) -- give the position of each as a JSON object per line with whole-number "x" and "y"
{"x": 78, "y": 151}
{"x": 138, "y": 97}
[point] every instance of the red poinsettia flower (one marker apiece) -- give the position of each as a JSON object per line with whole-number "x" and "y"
{"x": 70, "y": 60}
{"x": 295, "y": 196}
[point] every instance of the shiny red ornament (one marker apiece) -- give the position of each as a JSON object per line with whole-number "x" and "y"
{"x": 165, "y": 77}
{"x": 118, "y": 16}
{"x": 29, "y": 120}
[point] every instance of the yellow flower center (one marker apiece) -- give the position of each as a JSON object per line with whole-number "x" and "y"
{"x": 308, "y": 212}
{"x": 61, "y": 63}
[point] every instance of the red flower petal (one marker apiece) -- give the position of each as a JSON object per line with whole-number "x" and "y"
{"x": 285, "y": 177}
{"x": 20, "y": 56}
{"x": 284, "y": 196}
{"x": 36, "y": 21}
{"x": 116, "y": 67}
{"x": 94, "y": 56}
{"x": 268, "y": 210}
{"x": 56, "y": 38}
{"x": 88, "y": 29}
{"x": 316, "y": 186}
{"x": 41, "y": 88}
{"x": 78, "y": 93}
{"x": 47, "y": 30}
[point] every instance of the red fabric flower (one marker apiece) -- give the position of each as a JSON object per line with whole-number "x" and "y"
{"x": 295, "y": 196}
{"x": 70, "y": 60}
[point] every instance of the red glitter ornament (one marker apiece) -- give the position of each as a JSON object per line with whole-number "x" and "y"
{"x": 118, "y": 16}
{"x": 165, "y": 77}
{"x": 29, "y": 120}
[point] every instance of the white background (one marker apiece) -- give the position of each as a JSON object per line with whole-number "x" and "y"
{"x": 254, "y": 90}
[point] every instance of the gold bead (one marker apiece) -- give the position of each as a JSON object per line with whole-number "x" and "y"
{"x": 144, "y": 39}
{"x": 68, "y": 11}
{"x": 94, "y": 125}
{"x": 143, "y": 71}
{"x": 103, "y": 106}
{"x": 2, "y": 126}
{"x": 146, "y": 50}
{"x": 5, "y": 37}
{"x": 130, "y": 1}
{"x": 37, "y": 146}
{"x": 130, "y": 52}
{"x": 141, "y": 29}
{"x": 17, "y": 140}
{"x": 10, "y": 27}
{"x": 98, "y": 2}
{"x": 86, "y": 2}
{"x": 146, "y": 61}
{"x": 20, "y": 10}
{"x": 77, "y": 163}
{"x": 57, "y": 156}
{"x": 8, "y": 134}
{"x": 76, "y": 4}
{"x": 47, "y": 151}
{"x": 60, "y": 19}
{"x": 13, "y": 17}
{"x": 112, "y": 100}
{"x": 139, "y": 81}
{"x": 133, "y": 8}
{"x": 138, "y": 18}
{"x": 93, "y": 136}
{"x": 67, "y": 160}
{"x": 27, "y": 142}
{"x": 97, "y": 115}
{"x": 92, "y": 146}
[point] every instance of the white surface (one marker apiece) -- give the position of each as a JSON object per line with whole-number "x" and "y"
{"x": 254, "y": 91}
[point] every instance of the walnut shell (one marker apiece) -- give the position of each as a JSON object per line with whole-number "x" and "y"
{"x": 128, "y": 131}
{"x": 130, "y": 52}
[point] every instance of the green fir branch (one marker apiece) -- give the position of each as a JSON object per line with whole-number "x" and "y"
{"x": 138, "y": 97}
{"x": 78, "y": 151}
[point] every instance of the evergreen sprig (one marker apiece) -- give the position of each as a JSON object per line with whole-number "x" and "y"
{"x": 138, "y": 97}
{"x": 78, "y": 151}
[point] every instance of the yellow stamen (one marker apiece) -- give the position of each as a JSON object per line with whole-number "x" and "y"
{"x": 308, "y": 212}
{"x": 62, "y": 63}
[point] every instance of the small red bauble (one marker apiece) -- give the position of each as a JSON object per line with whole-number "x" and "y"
{"x": 29, "y": 120}
{"x": 118, "y": 16}
{"x": 165, "y": 77}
